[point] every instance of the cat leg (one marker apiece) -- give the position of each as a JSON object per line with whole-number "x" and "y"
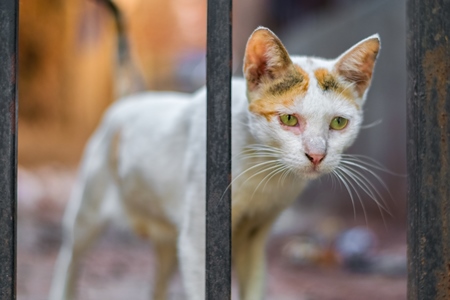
{"x": 66, "y": 269}
{"x": 249, "y": 258}
{"x": 192, "y": 266}
{"x": 83, "y": 222}
{"x": 191, "y": 248}
{"x": 166, "y": 255}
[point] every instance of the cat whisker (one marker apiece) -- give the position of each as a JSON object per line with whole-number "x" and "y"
{"x": 274, "y": 161}
{"x": 373, "y": 124}
{"x": 281, "y": 169}
{"x": 246, "y": 124}
{"x": 279, "y": 183}
{"x": 252, "y": 154}
{"x": 368, "y": 188}
{"x": 259, "y": 151}
{"x": 269, "y": 168}
{"x": 358, "y": 158}
{"x": 342, "y": 180}
{"x": 357, "y": 161}
{"x": 353, "y": 166}
{"x": 285, "y": 175}
{"x": 255, "y": 156}
{"x": 366, "y": 169}
{"x": 277, "y": 168}
{"x": 334, "y": 182}
{"x": 350, "y": 183}
{"x": 266, "y": 148}
{"x": 359, "y": 168}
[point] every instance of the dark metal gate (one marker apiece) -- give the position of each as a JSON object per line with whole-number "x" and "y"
{"x": 428, "y": 154}
{"x": 8, "y": 146}
{"x": 218, "y": 207}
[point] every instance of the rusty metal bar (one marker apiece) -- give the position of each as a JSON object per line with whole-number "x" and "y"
{"x": 428, "y": 149}
{"x": 218, "y": 164}
{"x": 8, "y": 146}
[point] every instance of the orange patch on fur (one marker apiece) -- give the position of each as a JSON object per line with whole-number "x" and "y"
{"x": 267, "y": 107}
{"x": 281, "y": 92}
{"x": 330, "y": 82}
{"x": 325, "y": 80}
{"x": 305, "y": 83}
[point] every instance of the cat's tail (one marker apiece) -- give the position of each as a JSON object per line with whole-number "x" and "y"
{"x": 128, "y": 78}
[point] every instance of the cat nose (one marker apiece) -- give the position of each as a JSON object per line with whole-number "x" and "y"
{"x": 315, "y": 158}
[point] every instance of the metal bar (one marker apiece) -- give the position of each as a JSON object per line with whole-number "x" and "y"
{"x": 428, "y": 149}
{"x": 218, "y": 204}
{"x": 8, "y": 146}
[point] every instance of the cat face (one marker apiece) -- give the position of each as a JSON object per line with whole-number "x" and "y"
{"x": 308, "y": 109}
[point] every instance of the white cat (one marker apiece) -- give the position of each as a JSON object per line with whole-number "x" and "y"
{"x": 292, "y": 118}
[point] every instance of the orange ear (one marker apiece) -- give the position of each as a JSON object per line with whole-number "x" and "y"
{"x": 265, "y": 57}
{"x": 357, "y": 64}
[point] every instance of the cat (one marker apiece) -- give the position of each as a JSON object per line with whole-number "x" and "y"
{"x": 292, "y": 118}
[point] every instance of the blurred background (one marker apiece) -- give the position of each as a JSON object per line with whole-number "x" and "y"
{"x": 324, "y": 247}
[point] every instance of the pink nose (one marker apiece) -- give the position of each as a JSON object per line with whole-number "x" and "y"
{"x": 315, "y": 158}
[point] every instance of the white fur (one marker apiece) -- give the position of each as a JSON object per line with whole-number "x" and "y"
{"x": 147, "y": 161}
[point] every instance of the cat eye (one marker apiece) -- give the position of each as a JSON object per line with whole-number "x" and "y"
{"x": 338, "y": 123}
{"x": 289, "y": 120}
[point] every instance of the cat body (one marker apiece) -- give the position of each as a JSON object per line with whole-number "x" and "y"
{"x": 146, "y": 163}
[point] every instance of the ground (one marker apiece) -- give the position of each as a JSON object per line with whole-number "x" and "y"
{"x": 120, "y": 265}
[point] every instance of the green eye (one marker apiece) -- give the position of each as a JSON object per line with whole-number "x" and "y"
{"x": 289, "y": 120}
{"x": 338, "y": 123}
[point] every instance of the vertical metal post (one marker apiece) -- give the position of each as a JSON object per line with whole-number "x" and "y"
{"x": 428, "y": 149}
{"x": 218, "y": 205}
{"x": 8, "y": 146}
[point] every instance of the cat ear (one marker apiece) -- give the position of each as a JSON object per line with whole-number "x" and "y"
{"x": 265, "y": 58}
{"x": 356, "y": 65}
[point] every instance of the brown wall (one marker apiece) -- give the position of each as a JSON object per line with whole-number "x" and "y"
{"x": 65, "y": 76}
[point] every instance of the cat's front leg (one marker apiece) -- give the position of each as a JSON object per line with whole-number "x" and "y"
{"x": 191, "y": 246}
{"x": 249, "y": 241}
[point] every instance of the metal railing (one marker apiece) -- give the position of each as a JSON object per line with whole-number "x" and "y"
{"x": 218, "y": 161}
{"x": 428, "y": 149}
{"x": 8, "y": 147}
